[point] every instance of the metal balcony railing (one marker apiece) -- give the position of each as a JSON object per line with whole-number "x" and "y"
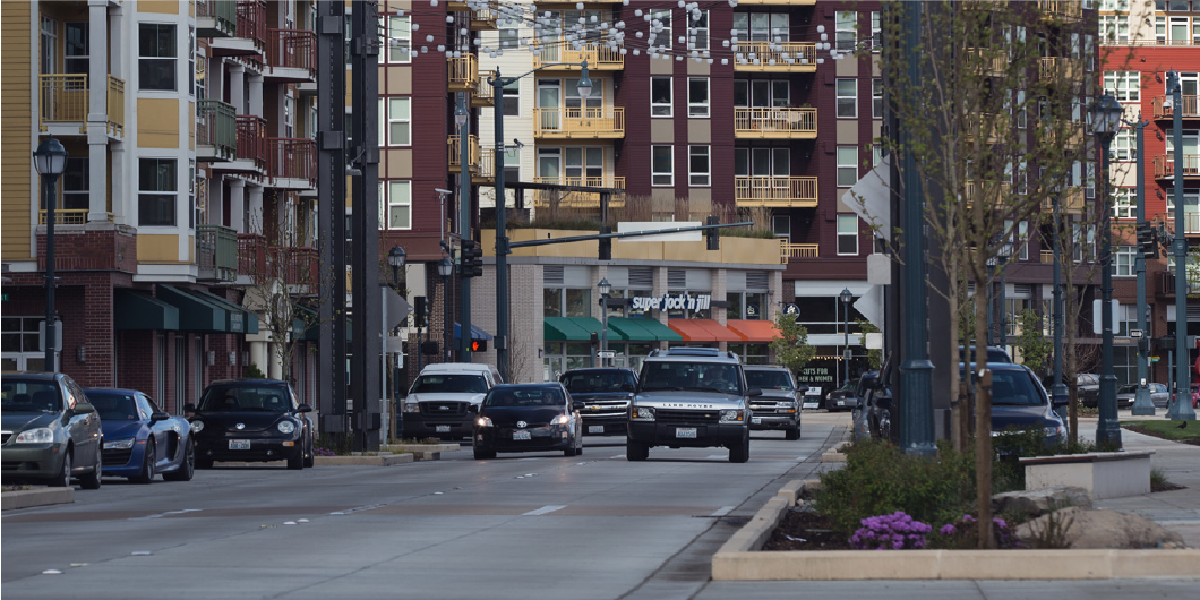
{"x": 775, "y": 191}
{"x": 760, "y": 56}
{"x": 64, "y": 98}
{"x": 1053, "y": 68}
{"x": 252, "y": 20}
{"x": 216, "y": 126}
{"x": 65, "y": 216}
{"x": 1163, "y": 109}
{"x": 789, "y": 251}
{"x": 116, "y": 106}
{"x": 252, "y": 254}
{"x": 1047, "y": 257}
{"x": 1061, "y": 9}
{"x": 603, "y": 122}
{"x": 482, "y": 163}
{"x": 1164, "y": 165}
{"x": 484, "y": 94}
{"x": 292, "y": 49}
{"x": 292, "y": 158}
{"x": 252, "y": 140}
{"x": 462, "y": 74}
{"x": 216, "y": 17}
{"x": 295, "y": 265}
{"x": 217, "y": 252}
{"x": 775, "y": 122}
{"x": 598, "y": 56}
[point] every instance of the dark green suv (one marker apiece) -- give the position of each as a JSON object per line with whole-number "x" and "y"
{"x": 50, "y": 431}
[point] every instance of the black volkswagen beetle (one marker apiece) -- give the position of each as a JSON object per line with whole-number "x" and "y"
{"x": 254, "y": 420}
{"x": 535, "y": 417}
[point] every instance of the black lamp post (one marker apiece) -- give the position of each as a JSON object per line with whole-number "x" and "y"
{"x": 395, "y": 260}
{"x": 846, "y": 297}
{"x": 50, "y": 159}
{"x": 605, "y": 288}
{"x": 1002, "y": 255}
{"x": 1106, "y": 118}
{"x": 445, "y": 270}
{"x": 462, "y": 121}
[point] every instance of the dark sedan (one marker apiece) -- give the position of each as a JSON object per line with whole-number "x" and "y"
{"x": 253, "y": 420}
{"x": 51, "y": 432}
{"x": 604, "y": 395}
{"x": 537, "y": 417}
{"x": 843, "y": 398}
{"x": 140, "y": 440}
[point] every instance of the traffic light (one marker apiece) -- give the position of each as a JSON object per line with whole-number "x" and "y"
{"x": 478, "y": 345}
{"x": 605, "y": 244}
{"x": 712, "y": 237}
{"x": 470, "y": 260}
{"x": 1147, "y": 238}
{"x": 595, "y": 338}
{"x": 420, "y": 311}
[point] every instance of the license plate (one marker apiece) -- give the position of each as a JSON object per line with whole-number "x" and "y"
{"x": 756, "y": 420}
{"x": 685, "y": 432}
{"x": 596, "y": 429}
{"x": 810, "y": 405}
{"x": 239, "y": 444}
{"x": 521, "y": 434}
{"x": 841, "y": 402}
{"x": 442, "y": 429}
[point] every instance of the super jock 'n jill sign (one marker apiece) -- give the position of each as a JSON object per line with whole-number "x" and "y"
{"x": 669, "y": 302}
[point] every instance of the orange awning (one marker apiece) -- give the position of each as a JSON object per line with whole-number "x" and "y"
{"x": 754, "y": 330}
{"x": 703, "y": 330}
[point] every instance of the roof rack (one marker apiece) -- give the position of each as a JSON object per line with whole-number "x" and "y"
{"x": 694, "y": 351}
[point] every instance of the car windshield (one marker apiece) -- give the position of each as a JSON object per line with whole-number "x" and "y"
{"x": 225, "y": 398}
{"x": 538, "y": 396}
{"x": 21, "y": 394}
{"x": 597, "y": 382}
{"x": 690, "y": 376}
{"x": 769, "y": 379}
{"x": 1128, "y": 389}
{"x": 1015, "y": 388}
{"x": 449, "y": 384}
{"x": 114, "y": 406}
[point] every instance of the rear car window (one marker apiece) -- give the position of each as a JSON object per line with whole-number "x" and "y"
{"x": 524, "y": 397}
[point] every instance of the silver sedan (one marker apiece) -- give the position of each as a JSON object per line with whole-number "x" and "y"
{"x": 1128, "y": 393}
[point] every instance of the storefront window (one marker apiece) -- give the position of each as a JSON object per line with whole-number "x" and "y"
{"x": 752, "y": 354}
{"x": 756, "y": 305}
{"x": 578, "y": 303}
{"x": 641, "y": 312}
{"x": 683, "y": 313}
{"x": 552, "y": 303}
{"x": 735, "y": 306}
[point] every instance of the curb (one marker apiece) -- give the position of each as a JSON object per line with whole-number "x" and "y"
{"x": 378, "y": 460}
{"x": 834, "y": 453}
{"x": 36, "y": 497}
{"x": 740, "y": 560}
{"x": 424, "y": 452}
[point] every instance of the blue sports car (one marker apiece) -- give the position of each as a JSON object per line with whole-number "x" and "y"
{"x": 140, "y": 440}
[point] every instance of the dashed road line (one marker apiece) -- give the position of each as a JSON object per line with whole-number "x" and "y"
{"x": 545, "y": 510}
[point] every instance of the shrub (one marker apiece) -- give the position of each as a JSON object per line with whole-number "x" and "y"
{"x": 896, "y": 531}
{"x": 963, "y": 533}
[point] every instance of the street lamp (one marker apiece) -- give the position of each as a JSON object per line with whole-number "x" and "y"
{"x": 846, "y": 297}
{"x": 461, "y": 119}
{"x": 498, "y": 83}
{"x": 395, "y": 260}
{"x": 1180, "y": 408}
{"x": 1106, "y": 118}
{"x": 1141, "y": 403}
{"x": 605, "y": 288}
{"x": 50, "y": 159}
{"x": 445, "y": 269}
{"x": 1003, "y": 253}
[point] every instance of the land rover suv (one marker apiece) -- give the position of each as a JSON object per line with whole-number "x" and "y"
{"x": 690, "y": 397}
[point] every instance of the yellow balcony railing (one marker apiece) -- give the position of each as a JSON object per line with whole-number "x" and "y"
{"x": 553, "y": 198}
{"x": 1053, "y": 68}
{"x": 761, "y": 57}
{"x": 600, "y": 182}
{"x": 462, "y": 74}
{"x": 484, "y": 94}
{"x": 778, "y": 2}
{"x": 482, "y": 160}
{"x": 1047, "y": 257}
{"x": 1072, "y": 200}
{"x": 991, "y": 62}
{"x": 599, "y": 57}
{"x": 603, "y": 122}
{"x": 775, "y": 122}
{"x": 789, "y": 251}
{"x": 64, "y": 98}
{"x": 485, "y": 18}
{"x": 65, "y": 216}
{"x": 116, "y": 105}
{"x": 995, "y": 193}
{"x": 797, "y": 192}
{"x": 1061, "y": 9}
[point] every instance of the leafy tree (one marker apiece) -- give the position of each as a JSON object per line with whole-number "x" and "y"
{"x": 790, "y": 347}
{"x": 874, "y": 357}
{"x": 1035, "y": 348}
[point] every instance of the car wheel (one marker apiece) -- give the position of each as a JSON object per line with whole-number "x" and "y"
{"x": 740, "y": 452}
{"x": 92, "y": 481}
{"x": 63, "y": 479}
{"x": 147, "y": 473}
{"x": 792, "y": 433}
{"x": 310, "y": 459}
{"x": 636, "y": 451}
{"x": 296, "y": 460}
{"x": 187, "y": 467}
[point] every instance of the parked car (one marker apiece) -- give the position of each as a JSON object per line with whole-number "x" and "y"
{"x": 604, "y": 395}
{"x": 51, "y": 432}
{"x": 779, "y": 405}
{"x": 843, "y": 398}
{"x": 530, "y": 417}
{"x": 442, "y": 401}
{"x": 874, "y": 415}
{"x": 140, "y": 440}
{"x": 1019, "y": 400}
{"x": 254, "y": 420}
{"x": 994, "y": 354}
{"x": 1127, "y": 395}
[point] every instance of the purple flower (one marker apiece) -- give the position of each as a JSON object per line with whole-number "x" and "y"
{"x": 947, "y": 529}
{"x": 968, "y": 519}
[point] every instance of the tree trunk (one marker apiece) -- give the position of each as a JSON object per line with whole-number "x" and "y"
{"x": 983, "y": 421}
{"x": 957, "y": 431}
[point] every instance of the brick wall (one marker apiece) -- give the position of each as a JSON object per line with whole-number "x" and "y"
{"x": 93, "y": 246}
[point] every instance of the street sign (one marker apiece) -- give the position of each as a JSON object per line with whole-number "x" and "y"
{"x": 1135, "y": 333}
{"x": 1153, "y": 359}
{"x": 606, "y": 354}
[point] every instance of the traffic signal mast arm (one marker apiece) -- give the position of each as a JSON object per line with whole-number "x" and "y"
{"x": 600, "y": 236}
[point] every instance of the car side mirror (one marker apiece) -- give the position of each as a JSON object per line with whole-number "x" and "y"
{"x": 159, "y": 415}
{"x": 189, "y": 407}
{"x": 303, "y": 408}
{"x": 84, "y": 408}
{"x": 576, "y": 405}
{"x": 754, "y": 391}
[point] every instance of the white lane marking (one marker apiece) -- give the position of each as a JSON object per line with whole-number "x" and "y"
{"x": 545, "y": 510}
{"x": 715, "y": 456}
{"x": 724, "y": 510}
{"x": 165, "y": 514}
{"x": 617, "y": 456}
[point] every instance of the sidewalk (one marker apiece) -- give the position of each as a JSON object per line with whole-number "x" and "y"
{"x": 1178, "y": 510}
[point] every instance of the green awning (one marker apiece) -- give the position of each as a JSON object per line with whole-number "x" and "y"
{"x": 195, "y": 313}
{"x": 643, "y": 330}
{"x": 132, "y": 310}
{"x": 240, "y": 319}
{"x": 569, "y": 329}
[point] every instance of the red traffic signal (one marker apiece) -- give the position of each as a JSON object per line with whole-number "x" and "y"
{"x": 478, "y": 345}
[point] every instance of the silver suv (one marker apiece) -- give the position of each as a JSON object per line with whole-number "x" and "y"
{"x": 780, "y": 404}
{"x": 690, "y": 397}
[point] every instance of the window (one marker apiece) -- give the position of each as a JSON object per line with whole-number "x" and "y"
{"x": 661, "y": 38}
{"x": 1114, "y": 29}
{"x": 512, "y": 99}
{"x": 662, "y": 171}
{"x": 156, "y": 57}
{"x": 1124, "y": 146}
{"x": 158, "y": 187}
{"x": 1123, "y": 203}
{"x": 1125, "y": 261}
{"x": 699, "y": 166}
{"x": 877, "y": 98}
{"x": 510, "y": 37}
{"x": 660, "y": 96}
{"x": 1160, "y": 30}
{"x": 1020, "y": 238}
{"x": 1126, "y": 85}
{"x": 847, "y": 235}
{"x": 289, "y": 125}
{"x": 399, "y": 40}
{"x": 847, "y": 166}
{"x": 876, "y": 155}
{"x": 847, "y": 98}
{"x": 560, "y": 302}
{"x": 697, "y": 96}
{"x": 698, "y": 31}
{"x": 399, "y": 205}
{"x": 762, "y": 26}
{"x": 399, "y": 120}
{"x": 75, "y": 183}
{"x": 75, "y": 56}
{"x": 1083, "y": 241}
{"x": 876, "y": 32}
{"x": 1114, "y": 5}
{"x": 1022, "y": 110}
{"x": 781, "y": 226}
{"x": 192, "y": 60}
{"x": 201, "y": 76}
{"x": 191, "y": 205}
{"x": 845, "y": 26}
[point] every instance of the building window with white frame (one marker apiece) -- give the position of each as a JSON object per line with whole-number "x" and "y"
{"x": 877, "y": 98}
{"x": 660, "y": 97}
{"x": 697, "y": 31}
{"x": 157, "y": 56}
{"x": 781, "y": 226}
{"x": 1114, "y": 29}
{"x": 845, "y": 30}
{"x": 661, "y": 38}
{"x": 1123, "y": 203}
{"x": 876, "y": 32}
{"x": 191, "y": 60}
{"x": 698, "y": 96}
{"x": 876, "y": 155}
{"x": 699, "y": 166}
{"x": 75, "y": 184}
{"x": 399, "y": 40}
{"x": 75, "y": 49}
{"x": 512, "y": 99}
{"x": 847, "y": 98}
{"x": 158, "y": 191}
{"x": 662, "y": 166}
{"x": 1114, "y": 5}
{"x": 847, "y": 166}
{"x": 399, "y": 121}
{"x": 1125, "y": 85}
{"x": 398, "y": 202}
{"x": 847, "y": 235}
{"x": 1124, "y": 146}
{"x": 1125, "y": 261}
{"x": 510, "y": 38}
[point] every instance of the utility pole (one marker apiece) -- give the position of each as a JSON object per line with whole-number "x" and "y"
{"x": 462, "y": 116}
{"x": 1142, "y": 404}
{"x": 1181, "y": 406}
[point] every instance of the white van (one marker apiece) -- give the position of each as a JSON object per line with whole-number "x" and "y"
{"x": 443, "y": 400}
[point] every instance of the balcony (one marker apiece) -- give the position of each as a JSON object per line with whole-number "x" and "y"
{"x": 64, "y": 101}
{"x": 1053, "y": 69}
{"x": 1163, "y": 110}
{"x": 991, "y": 62}
{"x": 295, "y": 265}
{"x": 216, "y": 18}
{"x": 995, "y": 193}
{"x": 250, "y": 36}
{"x": 484, "y": 94}
{"x": 462, "y": 74}
{"x": 761, "y": 58}
{"x": 1164, "y": 166}
{"x": 598, "y": 57}
{"x": 1046, "y": 257}
{"x": 250, "y": 156}
{"x": 1191, "y": 223}
{"x": 1071, "y": 202}
{"x": 775, "y": 123}
{"x": 778, "y": 2}
{"x": 789, "y": 251}
{"x": 216, "y": 252}
{"x": 65, "y": 216}
{"x": 1060, "y": 10}
{"x": 551, "y": 198}
{"x": 482, "y": 164}
{"x": 576, "y": 123}
{"x": 291, "y": 56}
{"x": 216, "y": 131}
{"x": 292, "y": 163}
{"x": 791, "y": 192}
{"x": 252, "y": 254}
{"x": 484, "y": 19}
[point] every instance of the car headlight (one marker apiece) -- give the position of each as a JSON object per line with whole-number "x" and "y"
{"x": 412, "y": 407}
{"x": 1057, "y": 430}
{"x": 732, "y": 416}
{"x": 560, "y": 420}
{"x": 124, "y": 444}
{"x": 285, "y": 426}
{"x": 643, "y": 413}
{"x": 197, "y": 426}
{"x": 483, "y": 422}
{"x": 37, "y": 435}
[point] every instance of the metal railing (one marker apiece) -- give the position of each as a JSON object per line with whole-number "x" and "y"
{"x": 789, "y": 251}
{"x": 292, "y": 158}
{"x": 997, "y": 191}
{"x": 116, "y": 106}
{"x": 992, "y": 62}
{"x": 1061, "y": 9}
{"x": 252, "y": 20}
{"x": 462, "y": 74}
{"x": 775, "y": 122}
{"x": 295, "y": 265}
{"x": 252, "y": 254}
{"x": 252, "y": 140}
{"x": 775, "y": 191}
{"x": 804, "y": 54}
{"x": 484, "y": 94}
{"x": 1164, "y": 165}
{"x": 1163, "y": 110}
{"x": 482, "y": 163}
{"x": 216, "y": 126}
{"x": 1191, "y": 222}
{"x": 292, "y": 49}
{"x": 600, "y": 182}
{"x": 579, "y": 122}
{"x": 65, "y": 216}
{"x": 64, "y": 98}
{"x": 1047, "y": 257}
{"x": 485, "y": 17}
{"x": 217, "y": 252}
{"x": 598, "y": 56}
{"x": 1055, "y": 68}
{"x": 223, "y": 12}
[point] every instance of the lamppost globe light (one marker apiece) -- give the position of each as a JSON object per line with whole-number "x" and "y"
{"x": 605, "y": 286}
{"x": 50, "y": 158}
{"x": 395, "y": 257}
{"x": 460, "y": 114}
{"x": 584, "y": 87}
{"x": 846, "y": 296}
{"x": 445, "y": 268}
{"x": 1106, "y": 115}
